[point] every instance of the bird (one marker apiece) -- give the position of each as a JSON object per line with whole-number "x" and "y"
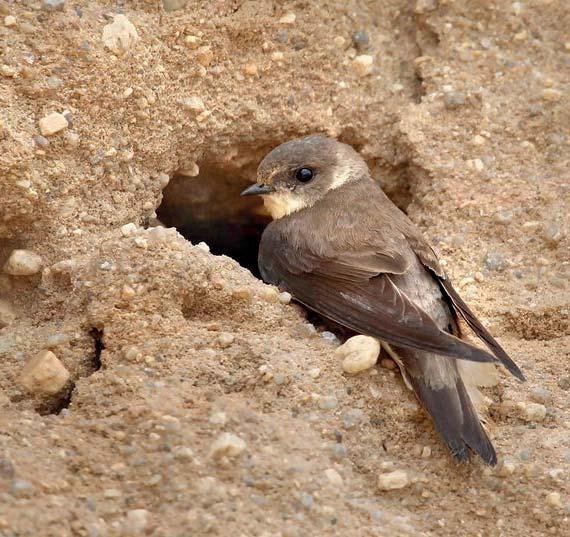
{"x": 341, "y": 248}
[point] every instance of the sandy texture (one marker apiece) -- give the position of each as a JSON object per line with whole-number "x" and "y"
{"x": 465, "y": 119}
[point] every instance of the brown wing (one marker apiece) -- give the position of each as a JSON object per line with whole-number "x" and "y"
{"x": 429, "y": 259}
{"x": 357, "y": 293}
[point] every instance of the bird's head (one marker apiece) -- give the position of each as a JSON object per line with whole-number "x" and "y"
{"x": 297, "y": 174}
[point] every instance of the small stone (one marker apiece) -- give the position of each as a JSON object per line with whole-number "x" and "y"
{"x": 330, "y": 337}
{"x": 119, "y": 35}
{"x": 395, "y": 480}
{"x": 41, "y": 141}
{"x": 478, "y": 140}
{"x": 426, "y": 452}
{"x": 137, "y": 522}
{"x": 227, "y": 445}
{"x": 328, "y": 402}
{"x": 353, "y": 417}
{"x": 204, "y": 56}
{"x": 225, "y": 340}
{"x": 242, "y": 293}
{"x": 128, "y": 230}
{"x": 541, "y": 395}
{"x": 193, "y": 104}
{"x": 20, "y": 488}
{"x": 44, "y": 374}
{"x": 504, "y": 217}
{"x": 358, "y": 354}
{"x": 339, "y": 41}
{"x": 314, "y": 373}
{"x": 112, "y": 493}
{"x": 183, "y": 453}
{"x": 10, "y": 20}
{"x": 128, "y": 292}
{"x": 454, "y": 99}
{"x": 533, "y": 411}
{"x": 53, "y": 4}
{"x": 554, "y": 499}
{"x": 277, "y": 56}
{"x": 506, "y": 469}
{"x": 8, "y": 71}
{"x": 203, "y": 246}
{"x": 288, "y": 18}
{"x": 218, "y": 418}
{"x": 269, "y": 294}
{"x": 52, "y": 124}
{"x": 173, "y": 5}
{"x": 363, "y": 64}
{"x": 495, "y": 261}
{"x": 334, "y": 477}
{"x": 284, "y": 298}
{"x": 250, "y": 69}
{"x": 564, "y": 383}
{"x": 190, "y": 170}
{"x": 23, "y": 263}
{"x": 551, "y": 95}
{"x": 192, "y": 41}
{"x": 360, "y": 40}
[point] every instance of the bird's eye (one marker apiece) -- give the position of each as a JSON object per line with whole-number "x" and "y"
{"x": 304, "y": 174}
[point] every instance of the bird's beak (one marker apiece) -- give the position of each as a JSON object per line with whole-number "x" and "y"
{"x": 258, "y": 188}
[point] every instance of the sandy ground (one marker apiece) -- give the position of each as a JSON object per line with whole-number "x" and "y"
{"x": 200, "y": 402}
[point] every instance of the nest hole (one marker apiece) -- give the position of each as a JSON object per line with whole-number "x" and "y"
{"x": 209, "y": 208}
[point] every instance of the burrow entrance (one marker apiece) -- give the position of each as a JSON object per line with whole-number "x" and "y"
{"x": 208, "y": 207}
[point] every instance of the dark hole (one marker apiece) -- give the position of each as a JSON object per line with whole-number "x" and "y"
{"x": 209, "y": 208}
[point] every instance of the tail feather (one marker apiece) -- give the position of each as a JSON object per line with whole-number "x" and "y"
{"x": 437, "y": 384}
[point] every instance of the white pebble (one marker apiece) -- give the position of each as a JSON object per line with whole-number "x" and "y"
{"x": 129, "y": 229}
{"x": 52, "y": 124}
{"x": 218, "y": 418}
{"x": 23, "y": 263}
{"x": 203, "y": 246}
{"x": 334, "y": 477}
{"x": 533, "y": 411}
{"x": 227, "y": 445}
{"x": 397, "y": 479}
{"x": 553, "y": 499}
{"x": 284, "y": 298}
{"x": 120, "y": 34}
{"x": 10, "y": 20}
{"x": 363, "y": 64}
{"x": 225, "y": 340}
{"x": 192, "y": 170}
{"x": 288, "y": 18}
{"x": 358, "y": 354}
{"x": 44, "y": 374}
{"x": 137, "y": 522}
{"x": 193, "y": 104}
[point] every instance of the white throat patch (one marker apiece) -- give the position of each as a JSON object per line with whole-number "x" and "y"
{"x": 280, "y": 204}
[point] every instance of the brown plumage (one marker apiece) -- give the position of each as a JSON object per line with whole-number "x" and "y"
{"x": 344, "y": 250}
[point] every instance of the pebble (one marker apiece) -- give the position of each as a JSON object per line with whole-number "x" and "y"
{"x": 284, "y": 298}
{"x": 360, "y": 39}
{"x": 277, "y": 56}
{"x": 8, "y": 71}
{"x": 41, "y": 141}
{"x": 395, "y": 480}
{"x": 478, "y": 140}
{"x": 44, "y": 374}
{"x": 363, "y": 64}
{"x": 225, "y": 340}
{"x": 173, "y": 5}
{"x": 204, "y": 56}
{"x": 193, "y": 104}
{"x": 23, "y": 263}
{"x": 119, "y": 35}
{"x": 250, "y": 69}
{"x": 128, "y": 230}
{"x": 358, "y": 353}
{"x": 10, "y": 20}
{"x": 541, "y": 395}
{"x": 564, "y": 383}
{"x": 191, "y": 170}
{"x": 192, "y": 41}
{"x": 330, "y": 337}
{"x": 53, "y": 4}
{"x": 454, "y": 99}
{"x": 218, "y": 418}
{"x": 137, "y": 522}
{"x": 426, "y": 452}
{"x": 328, "y": 402}
{"x": 551, "y": 95}
{"x": 334, "y": 477}
{"x": 112, "y": 493}
{"x": 533, "y": 411}
{"x": 314, "y": 372}
{"x": 353, "y": 417}
{"x": 288, "y": 18}
{"x": 227, "y": 445}
{"x": 52, "y": 124}
{"x": 20, "y": 488}
{"x": 495, "y": 261}
{"x": 554, "y": 499}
